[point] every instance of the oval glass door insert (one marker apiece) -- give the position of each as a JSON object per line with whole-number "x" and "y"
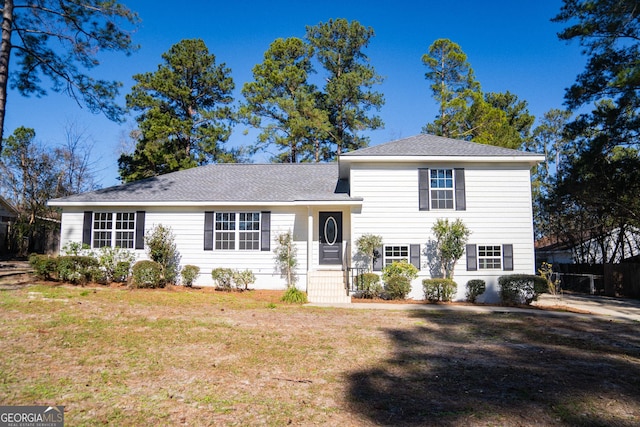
{"x": 330, "y": 231}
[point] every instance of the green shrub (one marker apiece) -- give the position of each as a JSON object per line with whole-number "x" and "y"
{"x": 115, "y": 263}
{"x": 77, "y": 269}
{"x": 189, "y": 274}
{"x": 397, "y": 287}
{"x": 521, "y": 288}
{"x": 475, "y": 288}
{"x": 439, "y": 289}
{"x": 223, "y": 278}
{"x": 122, "y": 271}
{"x": 294, "y": 295}
{"x": 399, "y": 268}
{"x": 397, "y": 278}
{"x": 161, "y": 248}
{"x": 242, "y": 279}
{"x": 76, "y": 249}
{"x": 147, "y": 274}
{"x": 368, "y": 285}
{"x": 44, "y": 266}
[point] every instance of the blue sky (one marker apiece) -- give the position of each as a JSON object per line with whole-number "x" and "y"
{"x": 511, "y": 45}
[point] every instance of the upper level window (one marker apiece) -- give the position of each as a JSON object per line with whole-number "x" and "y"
{"x": 441, "y": 189}
{"x": 441, "y": 185}
{"x": 489, "y": 257}
{"x": 114, "y": 229}
{"x": 237, "y": 230}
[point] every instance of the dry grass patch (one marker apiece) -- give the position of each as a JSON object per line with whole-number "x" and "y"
{"x": 197, "y": 357}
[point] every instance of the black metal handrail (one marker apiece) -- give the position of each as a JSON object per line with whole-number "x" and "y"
{"x": 354, "y": 279}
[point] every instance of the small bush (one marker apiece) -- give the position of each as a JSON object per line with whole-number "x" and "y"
{"x": 189, "y": 274}
{"x": 77, "y": 269}
{"x": 521, "y": 288}
{"x": 397, "y": 278}
{"x": 439, "y": 289}
{"x": 368, "y": 285}
{"x": 397, "y": 287}
{"x": 147, "y": 274}
{"x": 115, "y": 263}
{"x": 44, "y": 266}
{"x": 223, "y": 278}
{"x": 475, "y": 288}
{"x": 294, "y": 295}
{"x": 242, "y": 279}
{"x": 122, "y": 271}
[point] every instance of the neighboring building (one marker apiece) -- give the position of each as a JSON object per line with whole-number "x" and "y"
{"x": 8, "y": 215}
{"x": 229, "y": 215}
{"x": 613, "y": 247}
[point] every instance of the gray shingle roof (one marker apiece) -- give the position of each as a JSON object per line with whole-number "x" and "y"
{"x": 229, "y": 183}
{"x": 432, "y": 145}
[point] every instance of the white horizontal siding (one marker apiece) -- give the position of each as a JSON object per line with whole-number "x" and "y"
{"x": 498, "y": 211}
{"x": 187, "y": 225}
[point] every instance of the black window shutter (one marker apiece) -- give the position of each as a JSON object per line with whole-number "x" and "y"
{"x": 140, "y": 229}
{"x": 377, "y": 261}
{"x": 472, "y": 258}
{"x": 423, "y": 189}
{"x": 414, "y": 255}
{"x": 507, "y": 257}
{"x": 461, "y": 201}
{"x": 265, "y": 231}
{"x": 86, "y": 227}
{"x": 208, "y": 231}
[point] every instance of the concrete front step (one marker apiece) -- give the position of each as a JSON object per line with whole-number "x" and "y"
{"x": 327, "y": 287}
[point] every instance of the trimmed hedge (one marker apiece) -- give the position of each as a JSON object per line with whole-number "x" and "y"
{"x": 44, "y": 266}
{"x": 397, "y": 287}
{"x": 78, "y": 269}
{"x": 189, "y": 274}
{"x": 475, "y": 288}
{"x": 368, "y": 285}
{"x": 147, "y": 274}
{"x": 521, "y": 288}
{"x": 439, "y": 289}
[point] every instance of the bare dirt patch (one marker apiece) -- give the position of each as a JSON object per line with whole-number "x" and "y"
{"x": 199, "y": 357}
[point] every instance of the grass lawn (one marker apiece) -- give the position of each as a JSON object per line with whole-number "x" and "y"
{"x": 195, "y": 357}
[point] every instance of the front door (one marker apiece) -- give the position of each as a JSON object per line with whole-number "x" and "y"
{"x": 330, "y": 237}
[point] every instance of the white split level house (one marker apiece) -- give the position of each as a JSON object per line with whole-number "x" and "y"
{"x": 230, "y": 215}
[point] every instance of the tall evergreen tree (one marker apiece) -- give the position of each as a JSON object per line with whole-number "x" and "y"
{"x": 453, "y": 85}
{"x": 58, "y": 39}
{"x": 285, "y": 105}
{"x": 349, "y": 95}
{"x": 601, "y": 183}
{"x": 465, "y": 112}
{"x": 185, "y": 113}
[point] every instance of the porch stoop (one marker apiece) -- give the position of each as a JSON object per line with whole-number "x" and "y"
{"x": 327, "y": 286}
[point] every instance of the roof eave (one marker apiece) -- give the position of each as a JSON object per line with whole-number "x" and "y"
{"x": 345, "y": 161}
{"x": 343, "y": 202}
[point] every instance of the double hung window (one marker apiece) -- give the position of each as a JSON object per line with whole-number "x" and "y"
{"x": 489, "y": 257}
{"x": 114, "y": 229}
{"x": 237, "y": 230}
{"x": 441, "y": 185}
{"x": 396, "y": 253}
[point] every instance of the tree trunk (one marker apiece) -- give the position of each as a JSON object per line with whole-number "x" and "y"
{"x": 5, "y": 53}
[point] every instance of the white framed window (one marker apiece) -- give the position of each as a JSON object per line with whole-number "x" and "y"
{"x": 125, "y": 230}
{"x": 489, "y": 257}
{"x": 239, "y": 230}
{"x": 393, "y": 253}
{"x": 441, "y": 188}
{"x": 115, "y": 229}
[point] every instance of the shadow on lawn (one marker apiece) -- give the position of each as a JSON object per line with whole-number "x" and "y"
{"x": 459, "y": 369}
